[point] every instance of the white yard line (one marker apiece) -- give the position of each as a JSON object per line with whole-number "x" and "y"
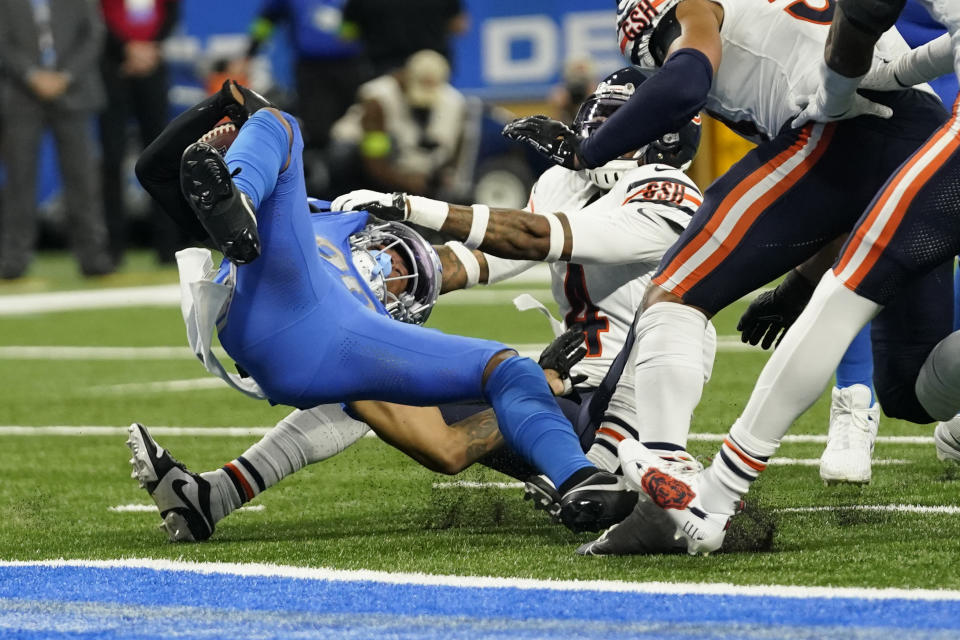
{"x": 168, "y": 295}
{"x": 537, "y": 280}
{"x": 152, "y": 508}
{"x": 885, "y": 508}
{"x": 423, "y": 579}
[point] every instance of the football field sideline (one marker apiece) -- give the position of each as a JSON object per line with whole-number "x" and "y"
{"x": 145, "y": 598}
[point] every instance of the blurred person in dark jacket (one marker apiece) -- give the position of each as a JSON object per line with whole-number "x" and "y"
{"x": 328, "y": 67}
{"x": 136, "y": 80}
{"x": 392, "y": 31}
{"x": 48, "y": 53}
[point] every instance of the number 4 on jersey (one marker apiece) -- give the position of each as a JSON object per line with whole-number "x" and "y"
{"x": 583, "y": 311}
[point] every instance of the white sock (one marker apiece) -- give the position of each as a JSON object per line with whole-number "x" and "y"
{"x": 792, "y": 380}
{"x": 661, "y": 384}
{"x": 302, "y": 438}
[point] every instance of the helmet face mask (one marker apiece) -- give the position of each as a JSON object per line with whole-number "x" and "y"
{"x": 676, "y": 148}
{"x": 410, "y": 291}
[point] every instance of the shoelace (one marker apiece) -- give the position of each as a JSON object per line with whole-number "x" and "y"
{"x": 681, "y": 465}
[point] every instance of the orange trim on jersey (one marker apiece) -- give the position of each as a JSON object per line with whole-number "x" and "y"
{"x": 610, "y": 433}
{"x": 747, "y": 460}
{"x": 247, "y": 489}
{"x": 748, "y": 216}
{"x": 890, "y": 226}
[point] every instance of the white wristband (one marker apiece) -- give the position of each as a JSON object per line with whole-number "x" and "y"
{"x": 469, "y": 261}
{"x": 427, "y": 213}
{"x": 556, "y": 238}
{"x": 478, "y": 226}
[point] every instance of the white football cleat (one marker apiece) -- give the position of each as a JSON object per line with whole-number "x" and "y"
{"x": 853, "y": 429}
{"x": 182, "y": 497}
{"x": 946, "y": 437}
{"x": 672, "y": 485}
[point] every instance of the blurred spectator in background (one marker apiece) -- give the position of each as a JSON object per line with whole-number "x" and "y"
{"x": 135, "y": 77}
{"x": 404, "y": 131}
{"x": 49, "y": 51}
{"x": 328, "y": 68}
{"x": 392, "y": 31}
{"x": 579, "y": 81}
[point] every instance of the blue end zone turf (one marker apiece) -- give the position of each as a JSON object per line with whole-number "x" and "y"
{"x": 75, "y": 602}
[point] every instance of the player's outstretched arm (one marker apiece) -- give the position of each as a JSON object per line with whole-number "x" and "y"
{"x": 507, "y": 233}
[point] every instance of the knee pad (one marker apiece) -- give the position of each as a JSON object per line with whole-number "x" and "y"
{"x": 938, "y": 384}
{"x": 872, "y": 16}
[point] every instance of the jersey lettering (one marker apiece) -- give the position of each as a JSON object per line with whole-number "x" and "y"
{"x": 657, "y": 191}
{"x": 329, "y": 252}
{"x": 640, "y": 18}
{"x": 583, "y": 311}
{"x": 819, "y": 12}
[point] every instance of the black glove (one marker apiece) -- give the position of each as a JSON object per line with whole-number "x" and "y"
{"x": 252, "y": 102}
{"x": 396, "y": 210}
{"x": 772, "y": 312}
{"x": 565, "y": 351}
{"x": 551, "y": 138}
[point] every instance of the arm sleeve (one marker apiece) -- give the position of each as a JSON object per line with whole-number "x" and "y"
{"x": 500, "y": 269}
{"x": 620, "y": 236}
{"x": 662, "y": 104}
{"x": 925, "y": 63}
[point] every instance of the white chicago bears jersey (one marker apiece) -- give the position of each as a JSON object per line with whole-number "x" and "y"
{"x": 772, "y": 50}
{"x": 619, "y": 237}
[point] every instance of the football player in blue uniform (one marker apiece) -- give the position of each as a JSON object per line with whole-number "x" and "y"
{"x": 304, "y": 326}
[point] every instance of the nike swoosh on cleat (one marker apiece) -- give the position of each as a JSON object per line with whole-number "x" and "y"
{"x": 177, "y": 486}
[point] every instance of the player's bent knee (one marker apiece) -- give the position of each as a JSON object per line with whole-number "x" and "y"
{"x": 938, "y": 383}
{"x": 495, "y": 362}
{"x": 656, "y": 293}
{"x": 901, "y": 402}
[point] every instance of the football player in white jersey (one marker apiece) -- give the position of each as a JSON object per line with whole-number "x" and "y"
{"x": 604, "y": 231}
{"x": 785, "y": 201}
{"x": 909, "y": 231}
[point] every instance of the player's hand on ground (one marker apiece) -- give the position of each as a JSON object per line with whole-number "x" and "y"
{"x": 550, "y": 138}
{"x": 560, "y": 355}
{"x": 386, "y": 206}
{"x": 773, "y": 312}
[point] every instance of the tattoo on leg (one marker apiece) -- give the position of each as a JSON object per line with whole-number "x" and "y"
{"x": 481, "y": 434}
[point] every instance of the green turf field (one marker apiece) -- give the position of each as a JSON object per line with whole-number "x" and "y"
{"x": 374, "y": 508}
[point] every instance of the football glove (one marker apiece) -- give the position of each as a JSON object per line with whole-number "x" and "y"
{"x": 550, "y": 138}
{"x": 565, "y": 351}
{"x": 252, "y": 102}
{"x": 772, "y": 312}
{"x": 386, "y": 206}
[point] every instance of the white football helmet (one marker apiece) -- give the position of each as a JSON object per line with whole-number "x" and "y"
{"x": 369, "y": 248}
{"x": 641, "y": 41}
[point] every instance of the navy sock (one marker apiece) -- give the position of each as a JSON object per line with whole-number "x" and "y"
{"x": 530, "y": 420}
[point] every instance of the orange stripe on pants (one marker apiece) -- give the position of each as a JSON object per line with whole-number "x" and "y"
{"x": 748, "y": 216}
{"x": 902, "y": 204}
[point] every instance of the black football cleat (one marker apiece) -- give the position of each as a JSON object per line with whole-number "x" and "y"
{"x": 544, "y": 495}
{"x": 181, "y": 496}
{"x": 599, "y": 502}
{"x": 225, "y": 212}
{"x": 647, "y": 530}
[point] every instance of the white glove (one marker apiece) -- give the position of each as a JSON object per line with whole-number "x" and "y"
{"x": 356, "y": 200}
{"x": 835, "y": 98}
